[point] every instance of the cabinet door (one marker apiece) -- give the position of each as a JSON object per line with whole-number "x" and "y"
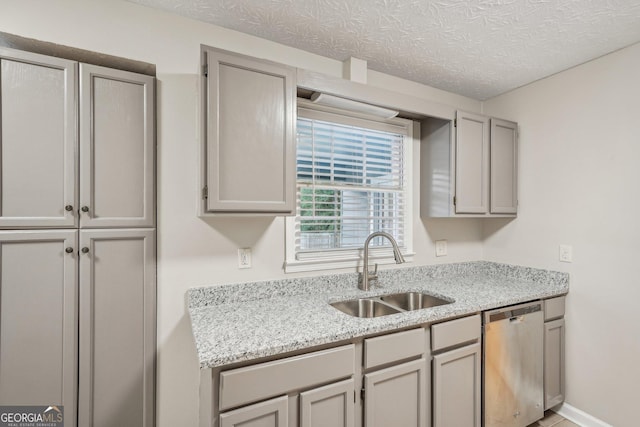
{"x": 38, "y": 331}
{"x": 250, "y": 147}
{"x": 472, "y": 163}
{"x": 37, "y": 140}
{"x": 331, "y": 405}
{"x": 396, "y": 396}
{"x": 117, "y": 141}
{"x": 456, "y": 388}
{"x": 504, "y": 167}
{"x": 553, "y": 363}
{"x": 117, "y": 328}
{"x": 272, "y": 413}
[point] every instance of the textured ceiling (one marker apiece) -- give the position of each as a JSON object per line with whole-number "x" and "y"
{"x": 477, "y": 48}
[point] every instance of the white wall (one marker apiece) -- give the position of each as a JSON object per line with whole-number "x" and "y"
{"x": 580, "y": 148}
{"x": 193, "y": 252}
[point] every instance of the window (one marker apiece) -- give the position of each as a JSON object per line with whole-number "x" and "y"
{"x": 352, "y": 180}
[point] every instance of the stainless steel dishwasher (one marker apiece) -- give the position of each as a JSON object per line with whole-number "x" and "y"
{"x": 513, "y": 365}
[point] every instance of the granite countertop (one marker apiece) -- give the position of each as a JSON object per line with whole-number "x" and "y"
{"x": 246, "y": 321}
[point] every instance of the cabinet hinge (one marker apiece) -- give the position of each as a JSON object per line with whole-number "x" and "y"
{"x": 205, "y": 70}
{"x": 205, "y": 192}
{"x": 362, "y": 393}
{"x": 454, "y": 200}
{"x": 455, "y": 123}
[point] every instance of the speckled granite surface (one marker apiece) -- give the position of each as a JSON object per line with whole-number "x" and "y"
{"x": 241, "y": 322}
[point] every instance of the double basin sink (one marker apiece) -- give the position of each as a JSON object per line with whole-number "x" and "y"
{"x": 388, "y": 304}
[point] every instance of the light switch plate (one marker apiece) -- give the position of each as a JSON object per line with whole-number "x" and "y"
{"x": 441, "y": 247}
{"x": 565, "y": 253}
{"x": 244, "y": 258}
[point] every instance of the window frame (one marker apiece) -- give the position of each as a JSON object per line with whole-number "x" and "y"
{"x": 349, "y": 258}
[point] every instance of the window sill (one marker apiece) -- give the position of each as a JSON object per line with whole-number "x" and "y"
{"x": 297, "y": 266}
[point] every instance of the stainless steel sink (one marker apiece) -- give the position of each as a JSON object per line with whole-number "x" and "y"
{"x": 364, "y": 307}
{"x": 388, "y": 304}
{"x": 410, "y": 301}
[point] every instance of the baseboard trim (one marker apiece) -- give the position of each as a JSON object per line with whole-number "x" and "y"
{"x": 579, "y": 417}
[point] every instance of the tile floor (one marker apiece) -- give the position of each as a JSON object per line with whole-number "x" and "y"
{"x": 552, "y": 419}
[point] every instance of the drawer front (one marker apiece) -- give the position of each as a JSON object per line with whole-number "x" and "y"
{"x": 553, "y": 308}
{"x": 455, "y": 332}
{"x": 393, "y": 347}
{"x": 252, "y": 383}
{"x": 272, "y": 413}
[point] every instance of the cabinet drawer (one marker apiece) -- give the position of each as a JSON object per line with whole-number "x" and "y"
{"x": 270, "y": 413}
{"x": 455, "y": 332}
{"x": 252, "y": 383}
{"x": 553, "y": 308}
{"x": 393, "y": 347}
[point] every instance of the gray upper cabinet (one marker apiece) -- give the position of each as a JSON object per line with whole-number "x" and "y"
{"x": 472, "y": 163}
{"x": 38, "y": 320}
{"x": 249, "y": 153}
{"x": 117, "y": 141}
{"x": 504, "y": 167}
{"x": 468, "y": 167}
{"x": 40, "y": 169}
{"x": 117, "y": 328}
{"x": 38, "y": 140}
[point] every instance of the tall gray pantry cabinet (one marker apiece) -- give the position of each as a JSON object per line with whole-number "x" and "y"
{"x": 77, "y": 245}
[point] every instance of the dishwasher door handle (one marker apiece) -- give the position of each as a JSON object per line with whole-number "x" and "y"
{"x": 516, "y": 319}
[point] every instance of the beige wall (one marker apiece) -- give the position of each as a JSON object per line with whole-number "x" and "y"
{"x": 193, "y": 252}
{"x": 580, "y": 148}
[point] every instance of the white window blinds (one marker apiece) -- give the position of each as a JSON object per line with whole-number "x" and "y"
{"x": 350, "y": 182}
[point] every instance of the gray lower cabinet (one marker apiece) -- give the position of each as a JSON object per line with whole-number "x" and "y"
{"x": 553, "y": 363}
{"x": 397, "y": 396}
{"x": 249, "y": 154}
{"x": 332, "y": 405}
{"x": 117, "y": 328}
{"x": 457, "y": 372}
{"x": 415, "y": 378}
{"x": 395, "y": 386}
{"x": 310, "y": 390}
{"x": 272, "y": 413}
{"x": 554, "y": 358}
{"x": 456, "y": 387}
{"x": 38, "y": 140}
{"x": 38, "y": 319}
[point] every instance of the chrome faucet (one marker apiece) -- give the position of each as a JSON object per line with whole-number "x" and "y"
{"x": 366, "y": 275}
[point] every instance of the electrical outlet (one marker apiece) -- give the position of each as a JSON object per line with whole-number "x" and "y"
{"x": 244, "y": 258}
{"x": 565, "y": 253}
{"x": 441, "y": 247}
